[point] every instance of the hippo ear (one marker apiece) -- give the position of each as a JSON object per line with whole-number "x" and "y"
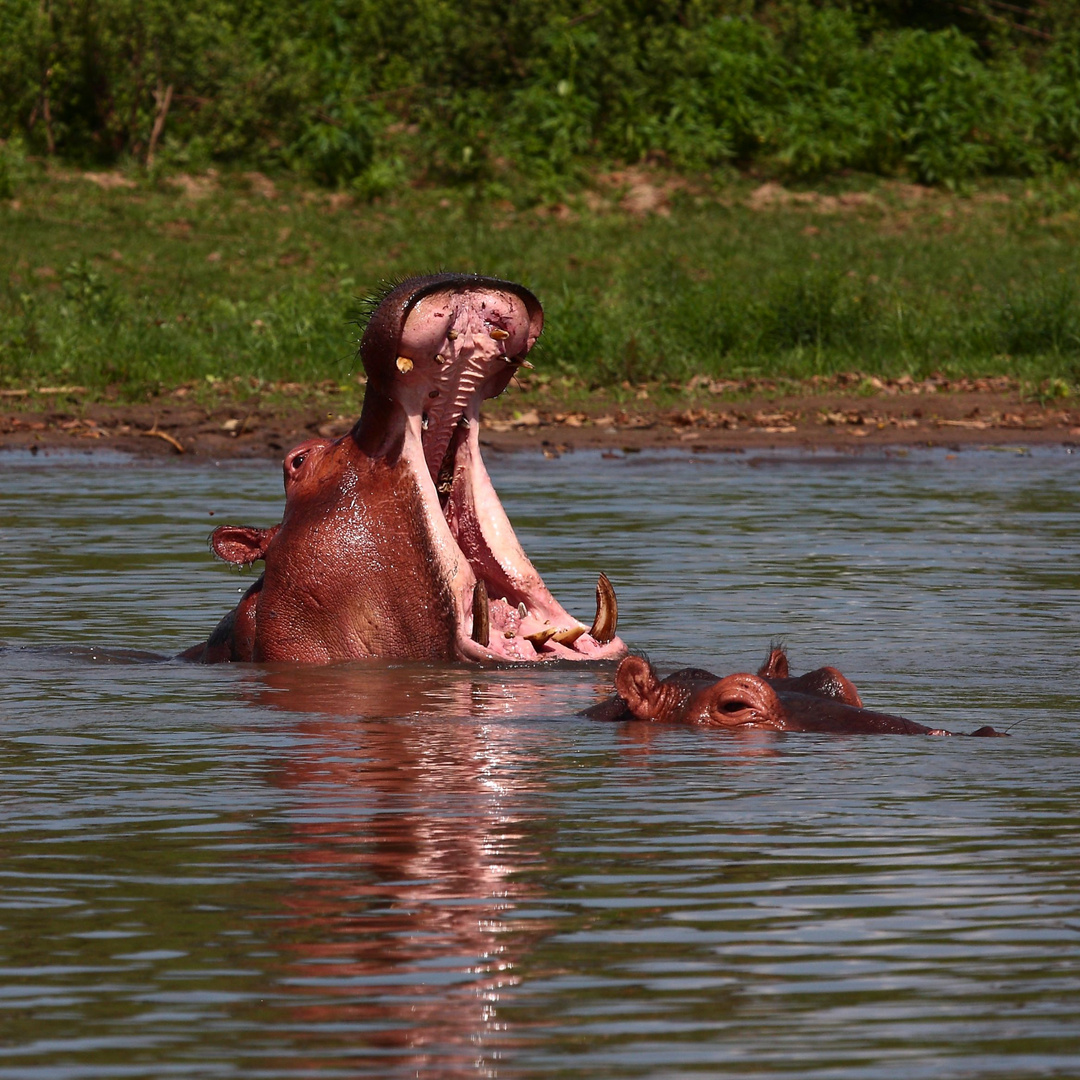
{"x": 638, "y": 685}
{"x": 776, "y": 667}
{"x": 830, "y": 683}
{"x": 241, "y": 544}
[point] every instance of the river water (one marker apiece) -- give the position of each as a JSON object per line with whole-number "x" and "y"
{"x": 397, "y": 871}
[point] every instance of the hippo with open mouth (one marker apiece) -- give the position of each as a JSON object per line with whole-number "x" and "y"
{"x": 821, "y": 701}
{"x": 393, "y": 542}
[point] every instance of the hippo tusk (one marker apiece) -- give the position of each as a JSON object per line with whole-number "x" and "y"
{"x": 481, "y": 615}
{"x": 607, "y": 611}
{"x": 568, "y": 637}
{"x": 541, "y": 636}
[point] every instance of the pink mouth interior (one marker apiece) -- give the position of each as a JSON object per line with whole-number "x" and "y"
{"x": 457, "y": 346}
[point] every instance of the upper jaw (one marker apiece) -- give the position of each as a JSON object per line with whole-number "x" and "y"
{"x": 458, "y": 345}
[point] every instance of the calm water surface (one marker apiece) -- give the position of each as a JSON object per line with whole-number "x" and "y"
{"x": 379, "y": 870}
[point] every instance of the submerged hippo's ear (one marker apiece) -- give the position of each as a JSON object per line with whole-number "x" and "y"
{"x": 241, "y": 544}
{"x": 830, "y": 683}
{"x": 638, "y": 685}
{"x": 776, "y": 667}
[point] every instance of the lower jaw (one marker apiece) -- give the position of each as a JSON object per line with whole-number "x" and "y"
{"x": 542, "y": 631}
{"x": 538, "y": 630}
{"x": 522, "y": 651}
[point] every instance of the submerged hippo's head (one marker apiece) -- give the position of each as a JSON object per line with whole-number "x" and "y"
{"x": 393, "y": 541}
{"x": 821, "y": 701}
{"x": 693, "y": 696}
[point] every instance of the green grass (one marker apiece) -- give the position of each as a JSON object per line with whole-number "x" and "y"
{"x": 132, "y": 291}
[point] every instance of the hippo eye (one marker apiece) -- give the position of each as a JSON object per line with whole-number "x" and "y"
{"x": 297, "y": 461}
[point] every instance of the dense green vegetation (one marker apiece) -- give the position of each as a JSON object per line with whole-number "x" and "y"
{"x": 521, "y": 99}
{"x": 145, "y": 288}
{"x": 442, "y": 127}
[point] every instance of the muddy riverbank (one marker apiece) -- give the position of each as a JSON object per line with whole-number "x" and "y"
{"x": 707, "y": 415}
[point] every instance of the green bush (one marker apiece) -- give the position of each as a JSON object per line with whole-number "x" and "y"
{"x": 534, "y": 92}
{"x": 1057, "y": 94}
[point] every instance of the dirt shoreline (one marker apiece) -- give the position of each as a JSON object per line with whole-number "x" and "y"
{"x": 834, "y": 419}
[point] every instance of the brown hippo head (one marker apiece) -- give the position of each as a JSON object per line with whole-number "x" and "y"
{"x": 393, "y": 541}
{"x": 820, "y": 701}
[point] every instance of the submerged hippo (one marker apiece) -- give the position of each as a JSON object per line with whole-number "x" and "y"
{"x": 821, "y": 701}
{"x": 393, "y": 542}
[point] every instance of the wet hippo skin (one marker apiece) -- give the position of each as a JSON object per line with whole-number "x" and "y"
{"x": 820, "y": 701}
{"x": 393, "y": 541}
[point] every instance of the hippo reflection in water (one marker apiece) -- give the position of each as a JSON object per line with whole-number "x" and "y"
{"x": 820, "y": 701}
{"x": 393, "y": 541}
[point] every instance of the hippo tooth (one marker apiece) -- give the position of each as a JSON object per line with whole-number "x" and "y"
{"x": 481, "y": 615}
{"x": 541, "y": 636}
{"x": 607, "y": 611}
{"x": 498, "y": 335}
{"x": 404, "y": 365}
{"x": 439, "y": 358}
{"x": 522, "y": 609}
{"x": 568, "y": 637}
{"x": 452, "y": 335}
{"x": 526, "y": 364}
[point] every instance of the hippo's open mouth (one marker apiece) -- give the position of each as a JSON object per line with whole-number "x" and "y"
{"x": 393, "y": 542}
{"x": 460, "y": 340}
